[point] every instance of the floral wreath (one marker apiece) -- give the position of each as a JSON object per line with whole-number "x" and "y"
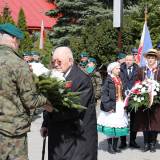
{"x": 144, "y": 94}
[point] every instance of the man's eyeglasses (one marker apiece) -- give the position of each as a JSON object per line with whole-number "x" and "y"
{"x": 56, "y": 61}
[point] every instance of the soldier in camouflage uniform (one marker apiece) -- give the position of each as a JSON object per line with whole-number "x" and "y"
{"x": 95, "y": 77}
{"x": 83, "y": 60}
{"x": 18, "y": 97}
{"x": 27, "y": 57}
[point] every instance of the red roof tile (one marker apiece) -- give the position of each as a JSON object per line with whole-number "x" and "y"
{"x": 34, "y": 11}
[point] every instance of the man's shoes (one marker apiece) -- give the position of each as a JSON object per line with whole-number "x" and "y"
{"x": 152, "y": 147}
{"x": 146, "y": 147}
{"x": 117, "y": 150}
{"x": 134, "y": 145}
{"x": 123, "y": 146}
{"x": 110, "y": 149}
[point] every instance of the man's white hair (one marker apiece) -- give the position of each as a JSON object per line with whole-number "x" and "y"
{"x": 4, "y": 36}
{"x": 63, "y": 51}
{"x": 6, "y": 39}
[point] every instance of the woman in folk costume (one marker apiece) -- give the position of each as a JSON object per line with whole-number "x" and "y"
{"x": 148, "y": 120}
{"x": 112, "y": 120}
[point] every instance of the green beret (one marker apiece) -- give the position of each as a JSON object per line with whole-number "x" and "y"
{"x": 121, "y": 55}
{"x": 84, "y": 54}
{"x": 27, "y": 53}
{"x": 92, "y": 60}
{"x": 35, "y": 53}
{"x": 11, "y": 30}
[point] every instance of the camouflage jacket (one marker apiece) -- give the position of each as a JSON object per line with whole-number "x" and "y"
{"x": 18, "y": 97}
{"x": 97, "y": 83}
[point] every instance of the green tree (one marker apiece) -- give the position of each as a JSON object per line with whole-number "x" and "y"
{"x": 22, "y": 24}
{"x": 27, "y": 43}
{"x": 0, "y": 19}
{"x": 45, "y": 53}
{"x": 97, "y": 35}
{"x": 31, "y": 41}
{"x": 73, "y": 18}
{"x": 153, "y": 20}
{"x": 126, "y": 3}
{"x": 6, "y": 16}
{"x": 135, "y": 16}
{"x": 129, "y": 2}
{"x": 101, "y": 41}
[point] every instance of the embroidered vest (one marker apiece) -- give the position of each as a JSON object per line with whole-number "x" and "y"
{"x": 118, "y": 86}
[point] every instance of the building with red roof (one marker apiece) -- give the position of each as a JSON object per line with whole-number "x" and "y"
{"x": 34, "y": 12}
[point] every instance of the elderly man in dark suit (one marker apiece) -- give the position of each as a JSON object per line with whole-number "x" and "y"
{"x": 128, "y": 75}
{"x": 72, "y": 134}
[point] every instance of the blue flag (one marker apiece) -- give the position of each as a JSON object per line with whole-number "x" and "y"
{"x": 145, "y": 45}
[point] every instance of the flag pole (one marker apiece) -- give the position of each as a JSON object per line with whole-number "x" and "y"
{"x": 146, "y": 14}
{"x": 41, "y": 42}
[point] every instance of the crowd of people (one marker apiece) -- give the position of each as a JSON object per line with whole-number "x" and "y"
{"x": 127, "y": 73}
{"x": 72, "y": 134}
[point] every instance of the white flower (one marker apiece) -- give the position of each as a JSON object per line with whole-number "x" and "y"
{"x": 58, "y": 75}
{"x": 149, "y": 80}
{"x": 138, "y": 99}
{"x": 144, "y": 83}
{"x": 157, "y": 89}
{"x": 153, "y": 87}
{"x": 139, "y": 86}
{"x": 158, "y": 85}
{"x": 135, "y": 98}
{"x": 143, "y": 90}
{"x": 61, "y": 90}
{"x": 149, "y": 89}
{"x": 154, "y": 93}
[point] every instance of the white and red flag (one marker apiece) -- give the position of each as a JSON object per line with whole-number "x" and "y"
{"x": 144, "y": 46}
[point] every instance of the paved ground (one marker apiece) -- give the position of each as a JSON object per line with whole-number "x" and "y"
{"x": 128, "y": 154}
{"x": 36, "y": 142}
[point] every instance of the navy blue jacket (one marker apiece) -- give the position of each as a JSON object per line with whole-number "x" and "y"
{"x": 128, "y": 82}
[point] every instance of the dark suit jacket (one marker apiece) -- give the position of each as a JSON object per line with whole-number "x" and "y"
{"x": 73, "y": 135}
{"x": 127, "y": 81}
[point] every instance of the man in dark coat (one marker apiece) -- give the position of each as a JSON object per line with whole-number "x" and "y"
{"x": 72, "y": 134}
{"x": 128, "y": 75}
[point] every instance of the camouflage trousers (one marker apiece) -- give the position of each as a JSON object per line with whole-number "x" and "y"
{"x": 13, "y": 148}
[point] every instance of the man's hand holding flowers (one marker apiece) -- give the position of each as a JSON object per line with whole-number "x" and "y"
{"x": 58, "y": 92}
